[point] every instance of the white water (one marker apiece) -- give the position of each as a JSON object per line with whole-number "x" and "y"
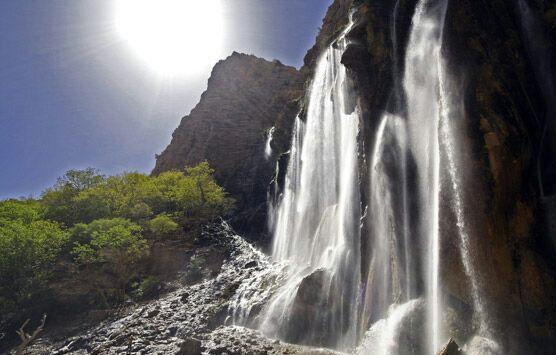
{"x": 384, "y": 336}
{"x": 421, "y": 84}
{"x": 390, "y": 277}
{"x": 318, "y": 295}
{"x": 268, "y": 147}
{"x": 316, "y": 228}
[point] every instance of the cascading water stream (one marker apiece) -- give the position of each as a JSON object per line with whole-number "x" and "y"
{"x": 390, "y": 277}
{"x": 322, "y": 299}
{"x": 449, "y": 113}
{"x": 421, "y": 84}
{"x": 316, "y": 227}
{"x": 432, "y": 109}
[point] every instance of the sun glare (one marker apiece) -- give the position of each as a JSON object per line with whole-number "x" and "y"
{"x": 174, "y": 37}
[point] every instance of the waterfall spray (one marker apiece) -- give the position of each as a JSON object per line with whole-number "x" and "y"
{"x": 316, "y": 229}
{"x": 421, "y": 82}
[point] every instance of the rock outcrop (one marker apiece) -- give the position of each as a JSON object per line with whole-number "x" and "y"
{"x": 246, "y": 96}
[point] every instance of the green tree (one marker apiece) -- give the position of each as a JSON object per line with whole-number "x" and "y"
{"x": 59, "y": 201}
{"x": 162, "y": 226}
{"x": 28, "y": 251}
{"x": 110, "y": 245}
{"x": 194, "y": 195}
{"x": 80, "y": 180}
{"x": 24, "y": 210}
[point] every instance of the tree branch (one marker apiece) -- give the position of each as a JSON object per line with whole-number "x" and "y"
{"x": 27, "y": 338}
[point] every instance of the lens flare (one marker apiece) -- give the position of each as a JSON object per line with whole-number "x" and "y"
{"x": 173, "y": 37}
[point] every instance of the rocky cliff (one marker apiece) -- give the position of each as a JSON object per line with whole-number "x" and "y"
{"x": 507, "y": 180}
{"x": 507, "y": 134}
{"x": 246, "y": 96}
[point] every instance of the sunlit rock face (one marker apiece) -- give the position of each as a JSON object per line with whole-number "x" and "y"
{"x": 245, "y": 98}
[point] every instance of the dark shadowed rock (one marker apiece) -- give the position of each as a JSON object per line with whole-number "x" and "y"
{"x": 451, "y": 348}
{"x": 190, "y": 346}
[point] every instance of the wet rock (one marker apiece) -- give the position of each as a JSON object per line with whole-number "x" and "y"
{"x": 190, "y": 346}
{"x": 451, "y": 348}
{"x": 483, "y": 346}
{"x": 312, "y": 306}
{"x": 250, "y": 264}
{"x": 153, "y": 312}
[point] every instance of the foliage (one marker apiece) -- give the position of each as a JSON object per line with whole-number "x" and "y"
{"x": 98, "y": 222}
{"x": 26, "y": 211}
{"x": 84, "y": 196}
{"x": 113, "y": 244}
{"x": 28, "y": 251}
{"x": 147, "y": 287}
{"x": 162, "y": 226}
{"x": 60, "y": 200}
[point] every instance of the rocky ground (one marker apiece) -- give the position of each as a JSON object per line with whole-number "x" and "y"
{"x": 192, "y": 319}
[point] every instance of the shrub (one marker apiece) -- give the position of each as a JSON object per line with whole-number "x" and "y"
{"x": 28, "y": 251}
{"x": 162, "y": 226}
{"x": 110, "y": 245}
{"x": 148, "y": 287}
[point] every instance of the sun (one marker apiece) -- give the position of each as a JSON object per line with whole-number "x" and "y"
{"x": 173, "y": 37}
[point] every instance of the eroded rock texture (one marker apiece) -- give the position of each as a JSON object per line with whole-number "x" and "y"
{"x": 246, "y": 96}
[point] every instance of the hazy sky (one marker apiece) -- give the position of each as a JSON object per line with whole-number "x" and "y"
{"x": 73, "y": 94}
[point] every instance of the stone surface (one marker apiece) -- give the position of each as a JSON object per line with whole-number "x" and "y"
{"x": 190, "y": 346}
{"x": 245, "y": 97}
{"x": 451, "y": 348}
{"x": 188, "y": 321}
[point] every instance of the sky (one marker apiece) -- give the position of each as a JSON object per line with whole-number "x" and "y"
{"x": 74, "y": 93}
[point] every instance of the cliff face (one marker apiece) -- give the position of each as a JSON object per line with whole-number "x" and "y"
{"x": 507, "y": 111}
{"x": 245, "y": 97}
{"x": 506, "y": 134}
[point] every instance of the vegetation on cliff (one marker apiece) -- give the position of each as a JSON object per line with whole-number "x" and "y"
{"x": 100, "y": 230}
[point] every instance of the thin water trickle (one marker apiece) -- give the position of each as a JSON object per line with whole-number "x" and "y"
{"x": 450, "y": 113}
{"x": 268, "y": 147}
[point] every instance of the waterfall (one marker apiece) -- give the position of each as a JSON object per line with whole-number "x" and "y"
{"x": 432, "y": 108}
{"x": 383, "y": 336}
{"x": 390, "y": 277}
{"x": 449, "y": 113}
{"x": 316, "y": 227}
{"x": 319, "y": 296}
{"x": 421, "y": 84}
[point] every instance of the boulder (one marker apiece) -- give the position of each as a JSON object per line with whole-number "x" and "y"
{"x": 451, "y": 348}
